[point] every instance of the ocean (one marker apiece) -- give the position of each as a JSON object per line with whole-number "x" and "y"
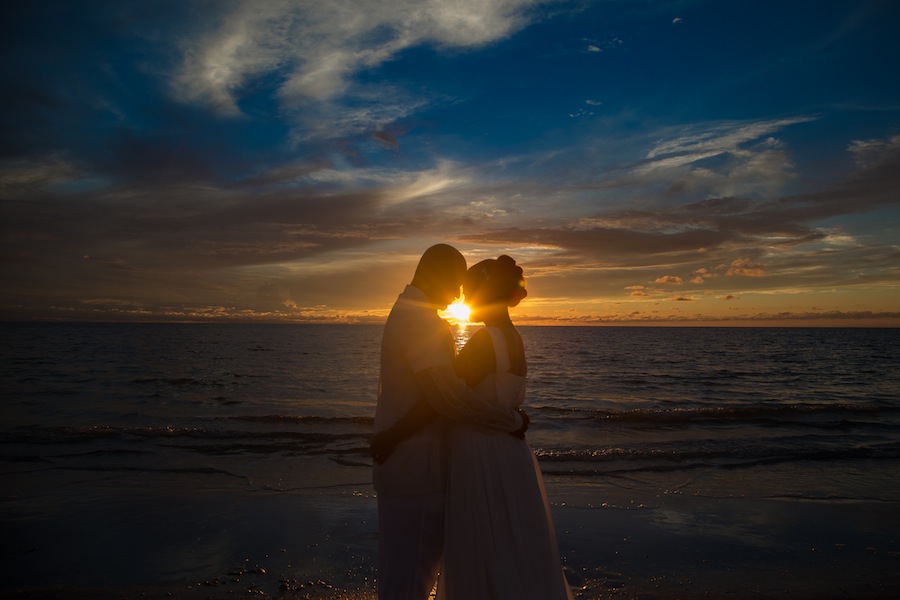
{"x": 97, "y": 415}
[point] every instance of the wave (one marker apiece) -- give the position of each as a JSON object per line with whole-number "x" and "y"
{"x": 288, "y": 419}
{"x": 225, "y": 379}
{"x": 63, "y": 435}
{"x": 705, "y": 454}
{"x": 145, "y": 469}
{"x": 678, "y": 466}
{"x": 834, "y": 415}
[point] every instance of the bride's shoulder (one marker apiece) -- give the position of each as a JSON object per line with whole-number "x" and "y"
{"x": 476, "y": 359}
{"x": 480, "y": 345}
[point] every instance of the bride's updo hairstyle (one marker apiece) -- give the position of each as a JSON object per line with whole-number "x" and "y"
{"x": 498, "y": 282}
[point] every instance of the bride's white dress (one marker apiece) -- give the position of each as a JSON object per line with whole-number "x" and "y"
{"x": 499, "y": 541}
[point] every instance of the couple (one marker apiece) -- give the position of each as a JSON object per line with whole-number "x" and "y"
{"x": 459, "y": 490}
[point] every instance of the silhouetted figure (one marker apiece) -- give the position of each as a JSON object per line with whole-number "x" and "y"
{"x": 418, "y": 382}
{"x": 499, "y": 541}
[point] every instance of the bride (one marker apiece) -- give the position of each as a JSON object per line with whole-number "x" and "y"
{"x": 499, "y": 541}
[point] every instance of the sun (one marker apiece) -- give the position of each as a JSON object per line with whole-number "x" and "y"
{"x": 458, "y": 312}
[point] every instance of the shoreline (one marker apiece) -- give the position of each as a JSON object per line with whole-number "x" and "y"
{"x": 651, "y": 545}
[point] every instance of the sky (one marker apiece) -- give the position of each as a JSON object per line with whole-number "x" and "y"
{"x": 646, "y": 162}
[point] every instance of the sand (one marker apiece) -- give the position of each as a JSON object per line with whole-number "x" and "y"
{"x": 170, "y": 541}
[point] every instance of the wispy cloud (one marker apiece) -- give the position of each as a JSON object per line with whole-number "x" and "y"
{"x": 24, "y": 176}
{"x": 723, "y": 159}
{"x": 315, "y": 49}
{"x": 874, "y": 152}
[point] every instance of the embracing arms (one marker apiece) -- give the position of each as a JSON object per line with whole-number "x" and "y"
{"x": 447, "y": 395}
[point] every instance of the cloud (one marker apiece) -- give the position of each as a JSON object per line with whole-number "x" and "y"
{"x": 731, "y": 158}
{"x": 784, "y": 243}
{"x": 669, "y": 280}
{"x": 687, "y": 163}
{"x": 744, "y": 267}
{"x": 700, "y": 275}
{"x": 315, "y": 49}
{"x": 874, "y": 152}
{"x": 712, "y": 139}
{"x": 581, "y": 112}
{"x": 825, "y": 315}
{"x": 638, "y": 291}
{"x": 299, "y": 210}
{"x": 23, "y": 176}
{"x": 387, "y": 139}
{"x": 248, "y": 155}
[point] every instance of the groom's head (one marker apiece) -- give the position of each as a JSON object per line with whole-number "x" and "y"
{"x": 440, "y": 274}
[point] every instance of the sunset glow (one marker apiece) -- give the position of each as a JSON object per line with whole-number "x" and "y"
{"x": 458, "y": 313}
{"x": 646, "y": 163}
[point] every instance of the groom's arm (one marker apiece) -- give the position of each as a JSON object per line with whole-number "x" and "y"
{"x": 450, "y": 397}
{"x": 385, "y": 442}
{"x": 447, "y": 395}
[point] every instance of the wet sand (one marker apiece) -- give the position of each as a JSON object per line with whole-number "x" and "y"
{"x": 156, "y": 539}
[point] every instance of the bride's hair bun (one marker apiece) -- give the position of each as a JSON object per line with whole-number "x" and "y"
{"x": 495, "y": 281}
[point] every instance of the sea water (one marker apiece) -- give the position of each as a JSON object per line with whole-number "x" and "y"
{"x": 812, "y": 414}
{"x": 603, "y": 401}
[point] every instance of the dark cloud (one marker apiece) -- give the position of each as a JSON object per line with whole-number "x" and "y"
{"x": 720, "y": 242}
{"x": 717, "y": 222}
{"x": 222, "y": 158}
{"x": 606, "y": 245}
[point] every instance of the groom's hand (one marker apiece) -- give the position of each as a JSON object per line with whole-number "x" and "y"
{"x": 382, "y": 447}
{"x": 520, "y": 432}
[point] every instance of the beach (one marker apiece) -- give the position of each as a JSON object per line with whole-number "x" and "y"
{"x": 221, "y": 462}
{"x": 136, "y": 539}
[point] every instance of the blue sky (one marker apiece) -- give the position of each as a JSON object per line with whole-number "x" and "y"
{"x": 644, "y": 161}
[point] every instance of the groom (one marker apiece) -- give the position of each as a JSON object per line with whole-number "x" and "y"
{"x": 417, "y": 352}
